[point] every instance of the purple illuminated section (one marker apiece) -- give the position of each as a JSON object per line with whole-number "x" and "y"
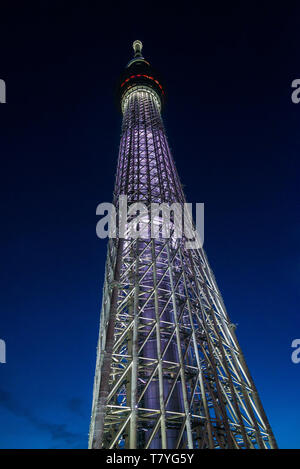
{"x": 146, "y": 173}
{"x": 146, "y": 170}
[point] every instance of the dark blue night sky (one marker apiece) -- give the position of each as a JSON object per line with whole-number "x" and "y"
{"x": 234, "y": 134}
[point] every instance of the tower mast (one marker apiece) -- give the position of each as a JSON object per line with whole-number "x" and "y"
{"x": 169, "y": 372}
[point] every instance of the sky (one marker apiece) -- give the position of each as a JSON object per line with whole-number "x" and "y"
{"x": 234, "y": 134}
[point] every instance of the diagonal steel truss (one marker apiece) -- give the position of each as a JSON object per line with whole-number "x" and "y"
{"x": 170, "y": 372}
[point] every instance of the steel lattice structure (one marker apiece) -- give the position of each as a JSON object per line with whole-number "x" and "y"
{"x": 170, "y": 372}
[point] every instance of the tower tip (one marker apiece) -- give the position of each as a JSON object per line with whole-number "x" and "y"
{"x": 137, "y": 47}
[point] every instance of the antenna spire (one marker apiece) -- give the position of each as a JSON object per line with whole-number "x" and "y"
{"x": 137, "y": 47}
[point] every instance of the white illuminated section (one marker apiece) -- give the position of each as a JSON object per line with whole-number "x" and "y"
{"x": 140, "y": 90}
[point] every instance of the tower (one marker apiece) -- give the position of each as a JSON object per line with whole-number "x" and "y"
{"x": 169, "y": 372}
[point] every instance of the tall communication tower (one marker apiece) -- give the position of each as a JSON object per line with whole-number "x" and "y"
{"x": 170, "y": 372}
